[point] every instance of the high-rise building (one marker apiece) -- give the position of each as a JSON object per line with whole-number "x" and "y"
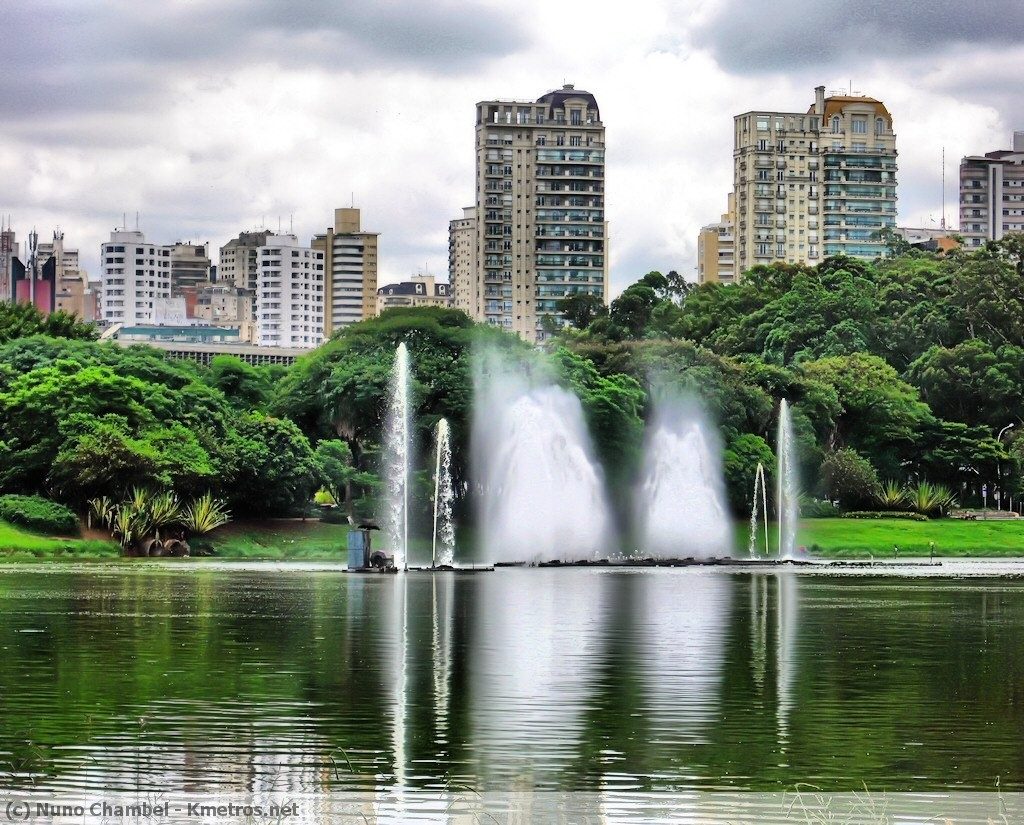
{"x": 462, "y": 268}
{"x": 992, "y": 194}
{"x": 350, "y": 260}
{"x": 716, "y": 261}
{"x": 812, "y": 184}
{"x": 539, "y": 224}
{"x": 135, "y": 275}
{"x": 238, "y": 259}
{"x": 190, "y": 266}
{"x": 289, "y": 294}
{"x": 8, "y": 252}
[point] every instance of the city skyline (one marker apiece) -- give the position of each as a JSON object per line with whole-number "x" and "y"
{"x": 125, "y": 111}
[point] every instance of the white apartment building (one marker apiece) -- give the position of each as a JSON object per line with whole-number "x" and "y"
{"x": 135, "y": 275}
{"x": 462, "y": 267}
{"x": 289, "y": 294}
{"x": 992, "y": 194}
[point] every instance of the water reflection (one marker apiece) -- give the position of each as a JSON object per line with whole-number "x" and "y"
{"x": 601, "y": 680}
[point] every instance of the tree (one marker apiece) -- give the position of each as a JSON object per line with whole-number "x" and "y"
{"x": 742, "y": 455}
{"x": 23, "y": 320}
{"x": 340, "y": 475}
{"x": 245, "y": 386}
{"x": 849, "y": 478}
{"x": 580, "y": 308}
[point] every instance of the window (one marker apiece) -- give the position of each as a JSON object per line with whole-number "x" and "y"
{"x": 860, "y": 125}
{"x": 837, "y": 125}
{"x": 574, "y": 117}
{"x": 879, "y": 126}
{"x": 762, "y": 124}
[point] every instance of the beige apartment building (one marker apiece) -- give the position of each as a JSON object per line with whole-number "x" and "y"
{"x": 350, "y": 263}
{"x": 716, "y": 251}
{"x": 539, "y": 224}
{"x": 239, "y": 260}
{"x": 462, "y": 268}
{"x": 992, "y": 194}
{"x": 812, "y": 184}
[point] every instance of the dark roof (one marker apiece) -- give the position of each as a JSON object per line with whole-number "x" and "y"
{"x": 557, "y": 98}
{"x": 410, "y": 288}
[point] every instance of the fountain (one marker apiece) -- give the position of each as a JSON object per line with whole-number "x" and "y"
{"x": 758, "y": 507}
{"x": 681, "y": 503}
{"x": 542, "y": 492}
{"x": 397, "y": 450}
{"x": 787, "y": 497}
{"x": 444, "y": 530}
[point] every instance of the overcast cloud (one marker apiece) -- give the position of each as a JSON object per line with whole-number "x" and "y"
{"x": 213, "y": 117}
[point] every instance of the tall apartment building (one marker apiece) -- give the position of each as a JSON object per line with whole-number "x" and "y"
{"x": 75, "y": 295}
{"x": 716, "y": 251}
{"x": 462, "y": 268}
{"x": 812, "y": 184}
{"x": 350, "y": 260}
{"x": 8, "y": 252}
{"x": 540, "y": 230}
{"x": 239, "y": 258}
{"x": 992, "y": 194}
{"x": 135, "y": 275}
{"x": 190, "y": 266}
{"x": 290, "y": 293}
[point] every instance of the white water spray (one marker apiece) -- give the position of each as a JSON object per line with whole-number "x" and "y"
{"x": 759, "y": 507}
{"x": 397, "y": 451}
{"x": 444, "y": 530}
{"x": 787, "y": 487}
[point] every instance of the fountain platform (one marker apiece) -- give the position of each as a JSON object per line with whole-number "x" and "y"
{"x": 448, "y": 568}
{"x": 718, "y": 562}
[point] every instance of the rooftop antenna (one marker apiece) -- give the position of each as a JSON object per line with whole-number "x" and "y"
{"x": 124, "y": 220}
{"x": 136, "y": 221}
{"x": 352, "y": 200}
{"x": 278, "y": 224}
{"x": 291, "y": 222}
{"x": 943, "y": 224}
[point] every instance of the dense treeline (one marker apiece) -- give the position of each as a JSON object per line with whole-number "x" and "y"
{"x": 907, "y": 369}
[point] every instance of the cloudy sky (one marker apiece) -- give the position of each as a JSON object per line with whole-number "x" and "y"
{"x": 213, "y": 116}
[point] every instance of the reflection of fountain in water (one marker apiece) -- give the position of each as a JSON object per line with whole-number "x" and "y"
{"x": 785, "y": 648}
{"x": 542, "y": 491}
{"x": 681, "y": 502}
{"x": 759, "y": 626}
{"x": 441, "y": 644}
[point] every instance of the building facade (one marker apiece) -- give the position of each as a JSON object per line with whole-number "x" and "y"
{"x": 135, "y": 275}
{"x": 716, "y": 251}
{"x": 190, "y": 266}
{"x": 462, "y": 266}
{"x": 350, "y": 260}
{"x": 418, "y": 291}
{"x": 238, "y": 261}
{"x": 540, "y": 230}
{"x": 812, "y": 184}
{"x": 992, "y": 194}
{"x": 8, "y": 252}
{"x": 290, "y": 293}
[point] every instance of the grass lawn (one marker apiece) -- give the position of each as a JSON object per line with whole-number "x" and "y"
{"x": 280, "y": 539}
{"x": 18, "y": 544}
{"x": 861, "y": 538}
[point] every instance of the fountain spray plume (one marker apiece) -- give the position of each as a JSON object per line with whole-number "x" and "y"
{"x": 397, "y": 453}
{"x": 787, "y": 485}
{"x": 680, "y": 502}
{"x": 758, "y": 507}
{"x": 444, "y": 494}
{"x": 541, "y": 491}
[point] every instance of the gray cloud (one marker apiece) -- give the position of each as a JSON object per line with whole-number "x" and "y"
{"x": 756, "y": 37}
{"x": 78, "y": 55}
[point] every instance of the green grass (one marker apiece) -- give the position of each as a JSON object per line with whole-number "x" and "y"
{"x": 861, "y": 538}
{"x": 17, "y": 544}
{"x": 280, "y": 539}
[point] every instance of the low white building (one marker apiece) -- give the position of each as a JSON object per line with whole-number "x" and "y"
{"x": 289, "y": 294}
{"x": 135, "y": 276}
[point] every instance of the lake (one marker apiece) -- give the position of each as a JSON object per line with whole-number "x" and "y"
{"x": 217, "y": 677}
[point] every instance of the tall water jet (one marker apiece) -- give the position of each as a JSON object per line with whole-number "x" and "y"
{"x": 681, "y": 500}
{"x": 444, "y": 494}
{"x": 397, "y": 452}
{"x": 787, "y": 487}
{"x": 541, "y": 491}
{"x": 759, "y": 507}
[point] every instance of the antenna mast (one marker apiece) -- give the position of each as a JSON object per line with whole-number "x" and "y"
{"x": 943, "y": 224}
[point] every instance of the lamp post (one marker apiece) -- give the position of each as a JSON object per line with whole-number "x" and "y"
{"x": 999, "y": 464}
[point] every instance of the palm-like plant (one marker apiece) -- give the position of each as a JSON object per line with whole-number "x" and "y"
{"x": 163, "y": 509}
{"x": 124, "y": 524}
{"x": 927, "y": 498}
{"x": 101, "y": 509}
{"x": 204, "y": 514}
{"x": 891, "y": 496}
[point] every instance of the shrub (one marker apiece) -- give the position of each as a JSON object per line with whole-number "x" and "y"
{"x": 874, "y": 514}
{"x": 205, "y": 514}
{"x": 849, "y": 477}
{"x": 891, "y": 496}
{"x": 816, "y": 508}
{"x": 928, "y": 498}
{"x": 39, "y": 514}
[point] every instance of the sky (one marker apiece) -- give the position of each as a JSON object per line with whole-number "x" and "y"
{"x": 209, "y": 117}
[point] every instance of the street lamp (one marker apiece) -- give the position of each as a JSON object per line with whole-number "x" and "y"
{"x": 999, "y": 465}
